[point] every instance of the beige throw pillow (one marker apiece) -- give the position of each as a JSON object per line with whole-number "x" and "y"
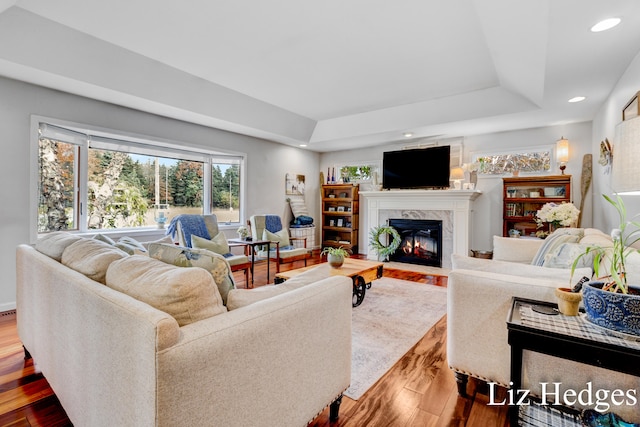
{"x": 217, "y": 244}
{"x": 187, "y": 294}
{"x": 281, "y": 236}
{"x": 214, "y": 263}
{"x": 53, "y": 244}
{"x": 91, "y": 257}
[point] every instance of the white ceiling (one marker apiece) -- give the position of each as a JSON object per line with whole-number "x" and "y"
{"x": 334, "y": 74}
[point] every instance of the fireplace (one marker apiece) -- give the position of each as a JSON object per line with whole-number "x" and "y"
{"x": 420, "y": 241}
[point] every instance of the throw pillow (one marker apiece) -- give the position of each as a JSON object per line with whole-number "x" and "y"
{"x": 217, "y": 244}
{"x": 214, "y": 263}
{"x": 53, "y": 244}
{"x": 91, "y": 257}
{"x": 515, "y": 250}
{"x": 564, "y": 254}
{"x": 187, "y": 294}
{"x": 165, "y": 239}
{"x": 281, "y": 236}
{"x": 104, "y": 238}
{"x": 555, "y": 239}
{"x": 130, "y": 246}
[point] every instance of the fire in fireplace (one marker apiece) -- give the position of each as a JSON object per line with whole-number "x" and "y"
{"x": 421, "y": 241}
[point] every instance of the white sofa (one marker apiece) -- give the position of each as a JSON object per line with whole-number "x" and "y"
{"x": 113, "y": 359}
{"x": 480, "y": 294}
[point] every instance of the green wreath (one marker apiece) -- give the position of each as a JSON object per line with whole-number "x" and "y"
{"x": 382, "y": 249}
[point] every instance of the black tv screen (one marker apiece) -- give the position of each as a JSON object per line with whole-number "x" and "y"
{"x": 416, "y": 168}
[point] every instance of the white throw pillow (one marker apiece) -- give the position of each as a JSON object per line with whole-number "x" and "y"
{"x": 217, "y": 244}
{"x": 515, "y": 249}
{"x": 91, "y": 257}
{"x": 281, "y": 236}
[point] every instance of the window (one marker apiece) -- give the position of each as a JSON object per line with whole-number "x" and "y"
{"x": 128, "y": 184}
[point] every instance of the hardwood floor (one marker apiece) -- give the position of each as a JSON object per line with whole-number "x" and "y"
{"x": 419, "y": 390}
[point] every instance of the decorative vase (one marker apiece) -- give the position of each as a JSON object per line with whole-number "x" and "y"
{"x": 568, "y": 302}
{"x": 616, "y": 311}
{"x": 335, "y": 261}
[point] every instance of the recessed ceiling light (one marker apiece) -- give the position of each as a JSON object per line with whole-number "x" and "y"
{"x": 303, "y": 145}
{"x": 407, "y": 134}
{"x": 606, "y": 24}
{"x": 578, "y": 99}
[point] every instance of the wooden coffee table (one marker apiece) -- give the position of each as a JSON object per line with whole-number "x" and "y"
{"x": 362, "y": 272}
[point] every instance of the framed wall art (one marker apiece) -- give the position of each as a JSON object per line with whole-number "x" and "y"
{"x": 294, "y": 184}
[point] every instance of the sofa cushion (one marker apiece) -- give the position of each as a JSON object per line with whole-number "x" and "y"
{"x": 281, "y": 236}
{"x": 91, "y": 257}
{"x": 53, "y": 244}
{"x": 217, "y": 244}
{"x": 166, "y": 239}
{"x": 187, "y": 294}
{"x": 564, "y": 255}
{"x": 130, "y": 246}
{"x": 555, "y": 239}
{"x": 515, "y": 249}
{"x": 595, "y": 237}
{"x": 214, "y": 263}
{"x": 242, "y": 297}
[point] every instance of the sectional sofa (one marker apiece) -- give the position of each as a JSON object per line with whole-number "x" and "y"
{"x": 88, "y": 313}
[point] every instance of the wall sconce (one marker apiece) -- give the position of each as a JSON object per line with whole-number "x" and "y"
{"x": 457, "y": 175}
{"x": 562, "y": 153}
{"x": 625, "y": 178}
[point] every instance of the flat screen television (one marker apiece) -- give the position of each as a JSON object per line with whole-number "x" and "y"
{"x": 416, "y": 168}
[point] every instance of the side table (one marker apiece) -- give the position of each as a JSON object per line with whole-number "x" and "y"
{"x": 568, "y": 337}
{"x": 252, "y": 245}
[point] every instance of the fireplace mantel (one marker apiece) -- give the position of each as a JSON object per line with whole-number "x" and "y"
{"x": 459, "y": 202}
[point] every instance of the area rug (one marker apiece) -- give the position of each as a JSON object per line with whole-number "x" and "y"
{"x": 393, "y": 317}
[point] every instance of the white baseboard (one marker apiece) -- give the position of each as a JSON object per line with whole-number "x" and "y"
{"x": 7, "y": 306}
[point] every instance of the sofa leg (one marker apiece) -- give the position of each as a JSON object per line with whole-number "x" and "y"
{"x": 335, "y": 408}
{"x": 462, "y": 380}
{"x": 27, "y": 355}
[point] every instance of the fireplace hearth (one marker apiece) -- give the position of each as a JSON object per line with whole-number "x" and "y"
{"x": 421, "y": 241}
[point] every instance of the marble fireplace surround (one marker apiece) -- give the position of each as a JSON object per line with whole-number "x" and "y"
{"x": 452, "y": 207}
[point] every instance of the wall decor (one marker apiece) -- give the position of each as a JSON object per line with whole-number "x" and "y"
{"x": 606, "y": 155}
{"x": 294, "y": 184}
{"x": 536, "y": 160}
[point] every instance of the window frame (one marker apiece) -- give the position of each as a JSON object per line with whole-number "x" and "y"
{"x": 85, "y": 136}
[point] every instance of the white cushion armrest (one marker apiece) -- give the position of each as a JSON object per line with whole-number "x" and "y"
{"x": 477, "y": 306}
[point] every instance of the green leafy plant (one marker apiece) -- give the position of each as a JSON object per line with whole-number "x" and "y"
{"x": 611, "y": 261}
{"x": 330, "y": 250}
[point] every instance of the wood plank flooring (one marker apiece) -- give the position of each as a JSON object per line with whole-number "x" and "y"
{"x": 419, "y": 390}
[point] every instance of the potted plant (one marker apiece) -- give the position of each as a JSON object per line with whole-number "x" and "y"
{"x": 611, "y": 301}
{"x": 335, "y": 256}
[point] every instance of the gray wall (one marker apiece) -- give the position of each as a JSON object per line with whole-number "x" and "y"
{"x": 487, "y": 215}
{"x": 267, "y": 162}
{"x": 604, "y": 124}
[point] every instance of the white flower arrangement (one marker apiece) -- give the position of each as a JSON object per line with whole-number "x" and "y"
{"x": 563, "y": 214}
{"x": 243, "y": 231}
